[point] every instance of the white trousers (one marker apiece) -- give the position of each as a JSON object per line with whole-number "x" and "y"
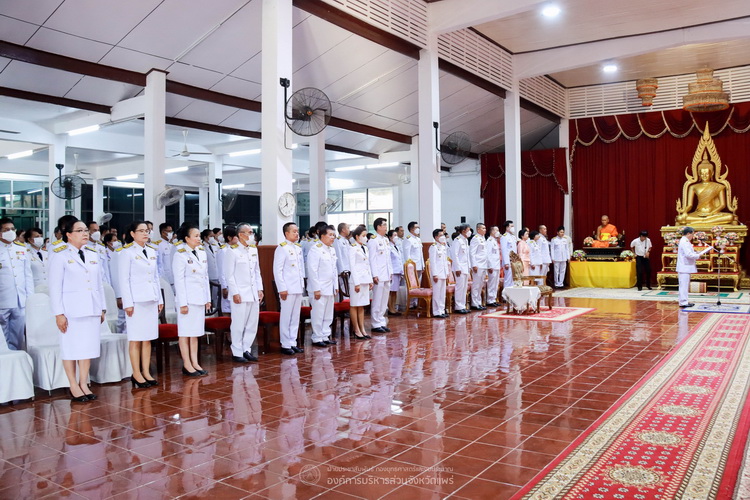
{"x": 684, "y": 282}
{"x": 413, "y": 302}
{"x": 508, "y": 279}
{"x": 379, "y": 304}
{"x": 321, "y": 317}
{"x": 545, "y": 270}
{"x": 438, "y": 297}
{"x": 493, "y": 282}
{"x": 289, "y": 322}
{"x": 476, "y": 286}
{"x": 537, "y": 271}
{"x": 244, "y": 326}
{"x": 459, "y": 295}
{"x": 122, "y": 326}
{"x": 13, "y": 322}
{"x": 559, "y": 269}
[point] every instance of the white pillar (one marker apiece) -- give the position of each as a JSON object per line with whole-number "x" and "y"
{"x": 181, "y": 211}
{"x": 563, "y": 131}
{"x": 317, "y": 177}
{"x": 97, "y": 192}
{"x": 276, "y": 174}
{"x": 513, "y": 156}
{"x": 429, "y": 112}
{"x": 203, "y": 206}
{"x": 56, "y": 205}
{"x": 409, "y": 193}
{"x": 215, "y": 207}
{"x": 154, "y": 145}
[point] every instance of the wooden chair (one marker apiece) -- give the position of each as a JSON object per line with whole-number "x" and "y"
{"x": 450, "y": 288}
{"x": 414, "y": 291}
{"x": 341, "y": 308}
{"x": 268, "y": 320}
{"x": 516, "y": 266}
{"x": 219, "y": 326}
{"x": 167, "y": 335}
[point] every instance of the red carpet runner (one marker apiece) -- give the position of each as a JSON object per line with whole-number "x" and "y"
{"x": 679, "y": 433}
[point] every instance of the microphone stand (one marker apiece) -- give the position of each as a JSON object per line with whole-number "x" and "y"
{"x": 718, "y": 284}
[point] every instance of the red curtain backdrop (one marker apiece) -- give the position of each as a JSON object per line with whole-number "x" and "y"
{"x": 544, "y": 183}
{"x": 632, "y": 168}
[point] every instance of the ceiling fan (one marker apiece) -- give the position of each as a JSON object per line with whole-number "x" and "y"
{"x": 185, "y": 153}
{"x": 76, "y": 170}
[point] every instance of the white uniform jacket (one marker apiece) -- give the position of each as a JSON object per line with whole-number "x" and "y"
{"x": 560, "y": 249}
{"x": 165, "y": 258}
{"x": 220, "y": 256}
{"x": 439, "y": 263}
{"x": 494, "y": 259}
{"x": 380, "y": 257}
{"x": 460, "y": 249}
{"x": 16, "y": 280}
{"x": 101, "y": 249}
{"x": 190, "y": 276}
{"x": 322, "y": 274}
{"x": 546, "y": 250}
{"x": 342, "y": 247}
{"x": 75, "y": 287}
{"x": 508, "y": 244}
{"x": 412, "y": 248}
{"x": 535, "y": 253}
{"x": 478, "y": 252}
{"x": 686, "y": 256}
{"x": 289, "y": 268}
{"x": 242, "y": 272}
{"x": 397, "y": 259}
{"x": 359, "y": 263}
{"x": 211, "y": 256}
{"x": 38, "y": 265}
{"x": 137, "y": 274}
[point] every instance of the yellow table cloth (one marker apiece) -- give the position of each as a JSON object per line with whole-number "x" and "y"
{"x": 592, "y": 274}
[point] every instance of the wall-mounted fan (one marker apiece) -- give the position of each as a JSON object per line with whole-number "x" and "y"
{"x": 105, "y": 218}
{"x": 227, "y": 198}
{"x": 455, "y": 148}
{"x": 185, "y": 153}
{"x": 329, "y": 205}
{"x": 308, "y": 110}
{"x": 67, "y": 187}
{"x": 169, "y": 196}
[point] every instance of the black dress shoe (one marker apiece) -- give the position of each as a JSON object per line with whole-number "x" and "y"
{"x": 288, "y": 351}
{"x": 239, "y": 359}
{"x": 689, "y": 304}
{"x": 650, "y": 288}
{"x": 319, "y": 344}
{"x": 330, "y": 341}
{"x": 367, "y": 337}
{"x": 377, "y": 330}
{"x": 141, "y": 385}
{"x": 90, "y": 397}
{"x": 463, "y": 311}
{"x": 394, "y": 314}
{"x": 249, "y": 356}
{"x": 152, "y": 382}
{"x": 202, "y": 372}
{"x": 385, "y": 329}
{"x": 297, "y": 349}
{"x": 474, "y": 308}
{"x": 196, "y": 373}
{"x": 79, "y": 399}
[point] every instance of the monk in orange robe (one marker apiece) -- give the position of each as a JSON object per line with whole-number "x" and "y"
{"x": 604, "y": 233}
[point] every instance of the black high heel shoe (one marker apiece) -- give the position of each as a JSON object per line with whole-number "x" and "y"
{"x": 78, "y": 399}
{"x": 152, "y": 382}
{"x": 196, "y": 373}
{"x": 140, "y": 385}
{"x": 358, "y": 337}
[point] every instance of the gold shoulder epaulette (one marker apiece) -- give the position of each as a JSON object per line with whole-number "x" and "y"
{"x": 253, "y": 246}
{"x": 151, "y": 246}
{"x": 235, "y": 245}
{"x": 156, "y": 242}
{"x": 60, "y": 249}
{"x": 128, "y": 245}
{"x": 319, "y": 245}
{"x": 222, "y": 247}
{"x": 373, "y": 236}
{"x": 201, "y": 248}
{"x": 57, "y": 242}
{"x": 19, "y": 243}
{"x": 176, "y": 242}
{"x": 283, "y": 243}
{"x": 119, "y": 249}
{"x": 102, "y": 244}
{"x": 408, "y": 236}
{"x": 181, "y": 250}
{"x": 298, "y": 244}
{"x": 353, "y": 244}
{"x": 90, "y": 249}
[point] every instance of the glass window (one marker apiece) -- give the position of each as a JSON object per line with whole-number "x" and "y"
{"x": 371, "y": 216}
{"x": 380, "y": 198}
{"x": 118, "y": 200}
{"x": 353, "y": 219}
{"x": 355, "y": 200}
{"x": 28, "y": 194}
{"x": 337, "y": 197}
{"x": 303, "y": 203}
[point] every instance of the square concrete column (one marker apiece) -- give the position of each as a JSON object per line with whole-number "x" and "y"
{"x": 318, "y": 193}
{"x": 56, "y": 205}
{"x": 215, "y": 207}
{"x": 563, "y": 131}
{"x": 203, "y": 193}
{"x": 97, "y": 192}
{"x": 513, "y": 207}
{"x": 428, "y": 181}
{"x": 154, "y": 147}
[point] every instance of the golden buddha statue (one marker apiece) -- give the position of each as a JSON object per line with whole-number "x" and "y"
{"x": 706, "y": 195}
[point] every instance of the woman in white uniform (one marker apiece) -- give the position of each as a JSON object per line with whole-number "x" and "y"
{"x": 141, "y": 299}
{"x": 192, "y": 294}
{"x": 397, "y": 264}
{"x": 37, "y": 254}
{"x": 460, "y": 249}
{"x": 360, "y": 281}
{"x": 77, "y": 297}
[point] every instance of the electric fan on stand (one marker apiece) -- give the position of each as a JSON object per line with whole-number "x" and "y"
{"x": 67, "y": 187}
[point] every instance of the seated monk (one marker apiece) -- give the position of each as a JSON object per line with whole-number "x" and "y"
{"x": 604, "y": 233}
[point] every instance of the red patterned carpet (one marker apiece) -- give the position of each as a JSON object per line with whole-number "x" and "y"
{"x": 679, "y": 433}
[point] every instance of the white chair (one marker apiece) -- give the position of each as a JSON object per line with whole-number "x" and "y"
{"x": 113, "y": 364}
{"x": 16, "y": 373}
{"x": 170, "y": 307}
{"x": 43, "y": 343}
{"x": 42, "y": 288}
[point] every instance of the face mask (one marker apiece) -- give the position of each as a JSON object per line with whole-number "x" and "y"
{"x": 8, "y": 235}
{"x": 416, "y": 231}
{"x": 363, "y": 239}
{"x": 95, "y": 236}
{"x": 169, "y": 235}
{"x": 116, "y": 245}
{"x": 38, "y": 241}
{"x": 442, "y": 239}
{"x": 511, "y": 229}
{"x": 468, "y": 235}
{"x": 221, "y": 238}
{"x": 495, "y": 233}
{"x": 212, "y": 240}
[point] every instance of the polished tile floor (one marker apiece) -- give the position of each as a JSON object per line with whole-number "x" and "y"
{"x": 466, "y": 407}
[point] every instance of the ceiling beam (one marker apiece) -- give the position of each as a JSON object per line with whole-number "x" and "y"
{"x": 212, "y": 96}
{"x": 368, "y": 130}
{"x": 453, "y": 15}
{"x": 49, "y": 99}
{"x": 470, "y": 77}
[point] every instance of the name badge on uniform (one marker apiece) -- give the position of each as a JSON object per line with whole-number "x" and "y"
{"x": 153, "y": 258}
{"x": 71, "y": 261}
{"x": 138, "y": 257}
{"x": 190, "y": 261}
{"x": 92, "y": 262}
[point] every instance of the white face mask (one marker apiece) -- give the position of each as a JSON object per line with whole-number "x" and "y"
{"x": 95, "y": 236}
{"x": 169, "y": 235}
{"x": 363, "y": 239}
{"x": 38, "y": 242}
{"x": 116, "y": 244}
{"x": 495, "y": 233}
{"x": 221, "y": 238}
{"x": 8, "y": 235}
{"x": 511, "y": 229}
{"x": 442, "y": 239}
{"x": 416, "y": 231}
{"x": 468, "y": 235}
{"x": 212, "y": 240}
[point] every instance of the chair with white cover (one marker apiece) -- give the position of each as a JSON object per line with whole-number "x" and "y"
{"x": 113, "y": 364}
{"x": 111, "y": 301}
{"x": 170, "y": 307}
{"x": 43, "y": 343}
{"x": 16, "y": 373}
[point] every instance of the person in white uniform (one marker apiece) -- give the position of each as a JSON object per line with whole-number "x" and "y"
{"x": 460, "y": 251}
{"x": 380, "y": 265}
{"x": 138, "y": 281}
{"x": 494, "y": 262}
{"x": 479, "y": 264}
{"x": 242, "y": 272}
{"x": 342, "y": 245}
{"x": 37, "y": 255}
{"x": 165, "y": 250}
{"x": 561, "y": 248}
{"x": 322, "y": 282}
{"x": 444, "y": 229}
{"x": 289, "y": 275}
{"x": 508, "y": 245}
{"x": 16, "y": 284}
{"x": 95, "y": 243}
{"x": 230, "y": 237}
{"x": 112, "y": 244}
{"x": 360, "y": 281}
{"x": 192, "y": 296}
{"x": 413, "y": 250}
{"x": 397, "y": 266}
{"x": 77, "y": 300}
{"x": 686, "y": 257}
{"x": 439, "y": 270}
{"x": 546, "y": 251}
{"x": 57, "y": 242}
{"x": 212, "y": 248}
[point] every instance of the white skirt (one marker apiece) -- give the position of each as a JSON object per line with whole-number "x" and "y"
{"x": 395, "y": 282}
{"x": 82, "y": 340}
{"x": 144, "y": 324}
{"x": 192, "y": 324}
{"x": 359, "y": 299}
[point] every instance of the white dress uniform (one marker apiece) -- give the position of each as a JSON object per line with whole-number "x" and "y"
{"x": 686, "y": 257}
{"x": 460, "y": 249}
{"x": 507, "y": 245}
{"x": 478, "y": 259}
{"x": 560, "y": 250}
{"x": 226, "y": 304}
{"x": 190, "y": 272}
{"x": 101, "y": 249}
{"x": 359, "y": 263}
{"x": 138, "y": 278}
{"x": 242, "y": 272}
{"x": 494, "y": 262}
{"x": 39, "y": 260}
{"x": 535, "y": 259}
{"x": 382, "y": 269}
{"x": 412, "y": 249}
{"x": 546, "y": 254}
{"x": 397, "y": 264}
{"x": 307, "y": 244}
{"x": 440, "y": 268}
{"x": 75, "y": 290}
{"x": 321, "y": 277}
{"x": 289, "y": 275}
{"x": 165, "y": 259}
{"x": 16, "y": 284}
{"x": 342, "y": 247}
{"x": 114, "y": 273}
{"x": 213, "y": 270}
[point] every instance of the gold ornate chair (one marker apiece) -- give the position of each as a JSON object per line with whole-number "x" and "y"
{"x": 414, "y": 291}
{"x": 516, "y": 266}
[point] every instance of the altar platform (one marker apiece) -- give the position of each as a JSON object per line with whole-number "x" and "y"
{"x": 602, "y": 274}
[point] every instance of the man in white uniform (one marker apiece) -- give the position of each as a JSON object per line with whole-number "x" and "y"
{"x": 380, "y": 263}
{"x": 507, "y": 245}
{"x": 461, "y": 267}
{"x": 242, "y": 273}
{"x": 686, "y": 257}
{"x": 95, "y": 243}
{"x": 561, "y": 248}
{"x": 289, "y": 274}
{"x": 212, "y": 249}
{"x": 439, "y": 269}
{"x": 16, "y": 284}
{"x": 545, "y": 248}
{"x": 478, "y": 260}
{"x": 412, "y": 249}
{"x": 165, "y": 253}
{"x": 494, "y": 262}
{"x": 38, "y": 255}
{"x": 230, "y": 235}
{"x": 342, "y": 245}
{"x": 322, "y": 283}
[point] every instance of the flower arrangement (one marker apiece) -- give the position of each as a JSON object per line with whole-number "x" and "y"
{"x": 613, "y": 241}
{"x": 579, "y": 255}
{"x": 627, "y": 255}
{"x": 721, "y": 242}
{"x": 671, "y": 239}
{"x": 701, "y": 236}
{"x": 717, "y": 230}
{"x": 732, "y": 237}
{"x": 588, "y": 241}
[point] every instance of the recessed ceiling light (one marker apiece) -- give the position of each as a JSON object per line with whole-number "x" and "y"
{"x": 551, "y": 11}
{"x": 609, "y": 68}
